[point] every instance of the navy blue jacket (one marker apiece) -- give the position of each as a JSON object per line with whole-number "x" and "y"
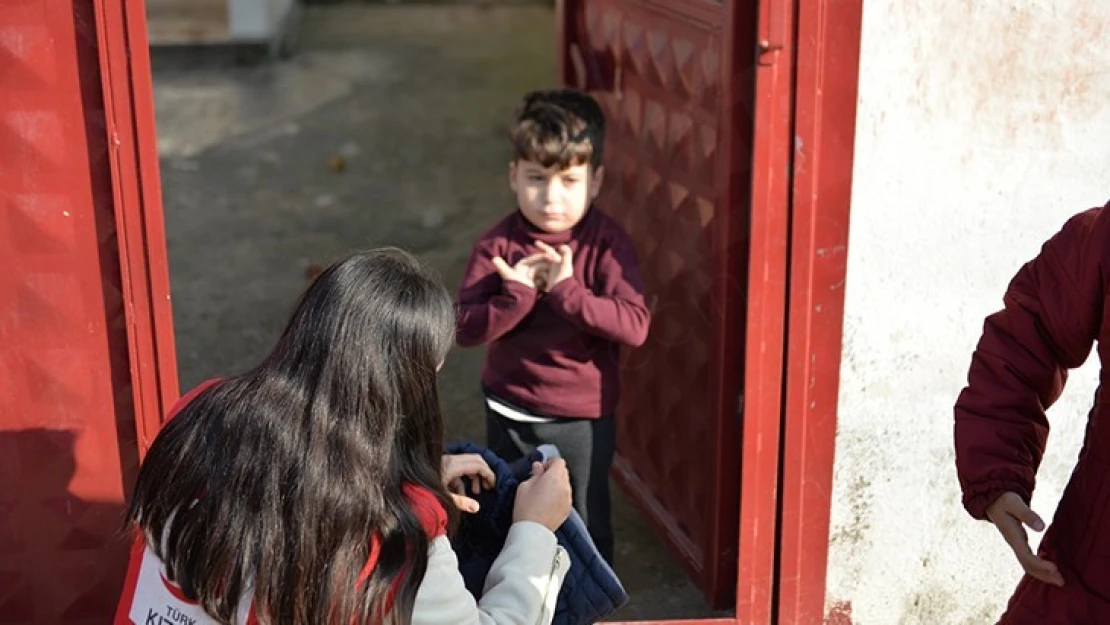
{"x": 591, "y": 589}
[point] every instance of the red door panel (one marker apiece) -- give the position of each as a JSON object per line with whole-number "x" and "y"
{"x": 677, "y": 173}
{"x": 766, "y": 316}
{"x": 731, "y": 141}
{"x": 68, "y": 448}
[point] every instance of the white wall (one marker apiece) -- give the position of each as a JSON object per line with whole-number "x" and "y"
{"x": 256, "y": 20}
{"x": 982, "y": 126}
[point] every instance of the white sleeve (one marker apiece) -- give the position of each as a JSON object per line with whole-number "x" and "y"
{"x": 520, "y": 589}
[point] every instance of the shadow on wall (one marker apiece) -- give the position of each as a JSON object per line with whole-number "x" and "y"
{"x": 62, "y": 558}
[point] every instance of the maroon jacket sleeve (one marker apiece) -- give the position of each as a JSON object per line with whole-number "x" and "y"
{"x": 618, "y": 312}
{"x": 1051, "y": 318}
{"x": 488, "y": 306}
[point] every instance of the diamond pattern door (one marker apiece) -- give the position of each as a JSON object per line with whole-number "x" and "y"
{"x": 68, "y": 448}
{"x": 666, "y": 73}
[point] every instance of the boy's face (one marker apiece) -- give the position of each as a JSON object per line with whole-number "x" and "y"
{"x": 554, "y": 199}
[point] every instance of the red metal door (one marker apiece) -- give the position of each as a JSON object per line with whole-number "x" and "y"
{"x": 85, "y": 344}
{"x": 771, "y": 151}
{"x": 824, "y": 126}
{"x": 676, "y": 79}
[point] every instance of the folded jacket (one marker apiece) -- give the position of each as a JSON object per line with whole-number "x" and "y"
{"x": 591, "y": 590}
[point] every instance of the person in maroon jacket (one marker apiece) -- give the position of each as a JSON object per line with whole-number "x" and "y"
{"x": 554, "y": 290}
{"x": 1054, "y": 312}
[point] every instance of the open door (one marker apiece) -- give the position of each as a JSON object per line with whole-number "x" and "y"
{"x": 730, "y": 165}
{"x": 85, "y": 343}
{"x": 676, "y": 80}
{"x": 729, "y": 162}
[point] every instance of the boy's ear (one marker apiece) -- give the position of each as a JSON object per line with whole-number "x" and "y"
{"x": 512, "y": 175}
{"x": 595, "y": 182}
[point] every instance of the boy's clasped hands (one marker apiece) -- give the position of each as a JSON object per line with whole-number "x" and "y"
{"x": 540, "y": 271}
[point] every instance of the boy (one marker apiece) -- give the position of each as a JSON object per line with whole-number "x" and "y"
{"x": 554, "y": 289}
{"x": 1055, "y": 311}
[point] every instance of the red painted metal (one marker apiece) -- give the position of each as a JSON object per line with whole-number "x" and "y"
{"x": 67, "y": 351}
{"x": 766, "y": 316}
{"x": 133, "y": 161}
{"x": 670, "y": 75}
{"x": 824, "y": 126}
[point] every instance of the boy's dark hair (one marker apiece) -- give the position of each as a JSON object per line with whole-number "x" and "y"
{"x": 560, "y": 127}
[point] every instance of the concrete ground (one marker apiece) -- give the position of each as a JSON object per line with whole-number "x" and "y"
{"x": 387, "y": 128}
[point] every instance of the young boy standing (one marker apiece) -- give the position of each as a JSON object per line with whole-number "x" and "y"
{"x": 554, "y": 289}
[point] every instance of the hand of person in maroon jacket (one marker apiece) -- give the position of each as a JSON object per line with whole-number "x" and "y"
{"x": 561, "y": 264}
{"x": 1010, "y": 514}
{"x": 526, "y": 271}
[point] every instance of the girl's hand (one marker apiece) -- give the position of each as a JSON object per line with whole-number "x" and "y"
{"x": 1009, "y": 513}
{"x": 457, "y": 466}
{"x": 545, "y": 497}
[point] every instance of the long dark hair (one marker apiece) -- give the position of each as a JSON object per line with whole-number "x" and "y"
{"x": 276, "y": 479}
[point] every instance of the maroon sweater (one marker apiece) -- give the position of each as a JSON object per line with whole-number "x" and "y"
{"x": 556, "y": 353}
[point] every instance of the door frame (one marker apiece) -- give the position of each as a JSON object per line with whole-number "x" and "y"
{"x": 807, "y": 84}
{"x": 127, "y": 84}
{"x": 826, "y": 91}
{"x": 790, "y": 399}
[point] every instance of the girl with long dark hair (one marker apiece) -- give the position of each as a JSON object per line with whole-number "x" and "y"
{"x": 311, "y": 489}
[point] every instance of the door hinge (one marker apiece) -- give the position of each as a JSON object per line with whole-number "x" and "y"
{"x": 768, "y": 52}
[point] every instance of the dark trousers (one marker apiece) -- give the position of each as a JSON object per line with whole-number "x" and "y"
{"x": 587, "y": 445}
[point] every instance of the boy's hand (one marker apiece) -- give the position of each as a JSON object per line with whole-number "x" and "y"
{"x": 561, "y": 265}
{"x": 526, "y": 271}
{"x": 1008, "y": 513}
